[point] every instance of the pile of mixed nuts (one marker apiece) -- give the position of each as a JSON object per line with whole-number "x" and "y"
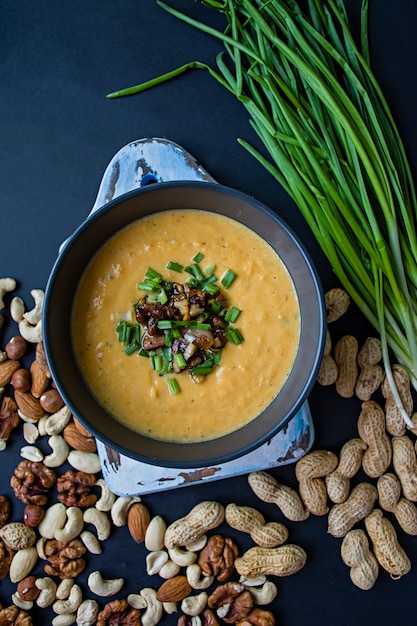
{"x": 195, "y": 572}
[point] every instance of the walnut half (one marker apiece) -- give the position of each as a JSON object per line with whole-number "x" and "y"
{"x": 32, "y": 481}
{"x": 218, "y": 556}
{"x": 118, "y": 613}
{"x": 231, "y": 602}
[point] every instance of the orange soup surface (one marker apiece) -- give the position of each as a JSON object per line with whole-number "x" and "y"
{"x": 249, "y": 375}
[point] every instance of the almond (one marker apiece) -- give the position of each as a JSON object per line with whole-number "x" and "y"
{"x": 81, "y": 428}
{"x": 174, "y": 589}
{"x": 77, "y": 440}
{"x": 7, "y": 369}
{"x": 138, "y": 519}
{"x": 40, "y": 380}
{"x": 41, "y": 359}
{"x": 28, "y": 405}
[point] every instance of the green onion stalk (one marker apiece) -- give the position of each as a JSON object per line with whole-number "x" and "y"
{"x": 331, "y": 142}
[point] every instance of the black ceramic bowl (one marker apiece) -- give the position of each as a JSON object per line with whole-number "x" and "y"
{"x": 63, "y": 283}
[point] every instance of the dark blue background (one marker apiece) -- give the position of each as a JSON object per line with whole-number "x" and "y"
{"x": 58, "y": 60}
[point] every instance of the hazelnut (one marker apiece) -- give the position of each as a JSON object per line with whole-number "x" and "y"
{"x": 51, "y": 401}
{"x": 16, "y": 348}
{"x": 27, "y": 589}
{"x": 21, "y": 379}
{"x": 33, "y": 515}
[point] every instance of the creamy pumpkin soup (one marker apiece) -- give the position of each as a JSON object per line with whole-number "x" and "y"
{"x": 185, "y": 325}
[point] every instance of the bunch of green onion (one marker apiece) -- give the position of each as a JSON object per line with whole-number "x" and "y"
{"x": 332, "y": 144}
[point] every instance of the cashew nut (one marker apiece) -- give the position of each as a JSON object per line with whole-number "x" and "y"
{"x": 17, "y": 308}
{"x": 25, "y": 418}
{"x": 87, "y": 612}
{"x": 155, "y": 560}
{"x": 107, "y": 498}
{"x": 6, "y": 285}
{"x": 91, "y": 542}
{"x": 40, "y": 548}
{"x": 154, "y": 609}
{"x": 102, "y": 587}
{"x": 169, "y": 570}
{"x": 100, "y": 521}
{"x": 195, "y": 579}
{"x": 41, "y": 425}
{"x": 88, "y": 462}
{"x": 181, "y": 557}
{"x": 25, "y": 605}
{"x": 55, "y": 423}
{"x": 63, "y": 620}
{"x": 120, "y": 507}
{"x": 155, "y": 533}
{"x": 64, "y": 588}
{"x": 48, "y": 591}
{"x": 257, "y": 581}
{"x": 136, "y": 601}
{"x": 194, "y": 605}
{"x": 197, "y": 545}
{"x": 71, "y": 604}
{"x": 73, "y": 525}
{"x": 265, "y": 594}
{"x": 54, "y": 519}
{"x": 35, "y": 315}
{"x": 170, "y": 607}
{"x": 60, "y": 450}
{"x": 32, "y": 334}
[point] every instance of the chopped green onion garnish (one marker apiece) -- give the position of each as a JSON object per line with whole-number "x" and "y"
{"x": 121, "y": 331}
{"x": 232, "y": 315}
{"x": 165, "y": 324}
{"x": 179, "y": 360}
{"x": 124, "y": 333}
{"x": 162, "y": 296}
{"x": 157, "y": 362}
{"x": 217, "y": 357}
{"x": 198, "y": 257}
{"x": 209, "y": 269}
{"x": 228, "y": 279}
{"x": 216, "y": 306}
{"x": 153, "y": 275}
{"x": 148, "y": 286}
{"x": 173, "y": 386}
{"x": 211, "y": 288}
{"x": 195, "y": 270}
{"x": 176, "y": 267}
{"x": 210, "y": 279}
{"x": 132, "y": 348}
{"x": 203, "y": 368}
{"x": 234, "y": 335}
